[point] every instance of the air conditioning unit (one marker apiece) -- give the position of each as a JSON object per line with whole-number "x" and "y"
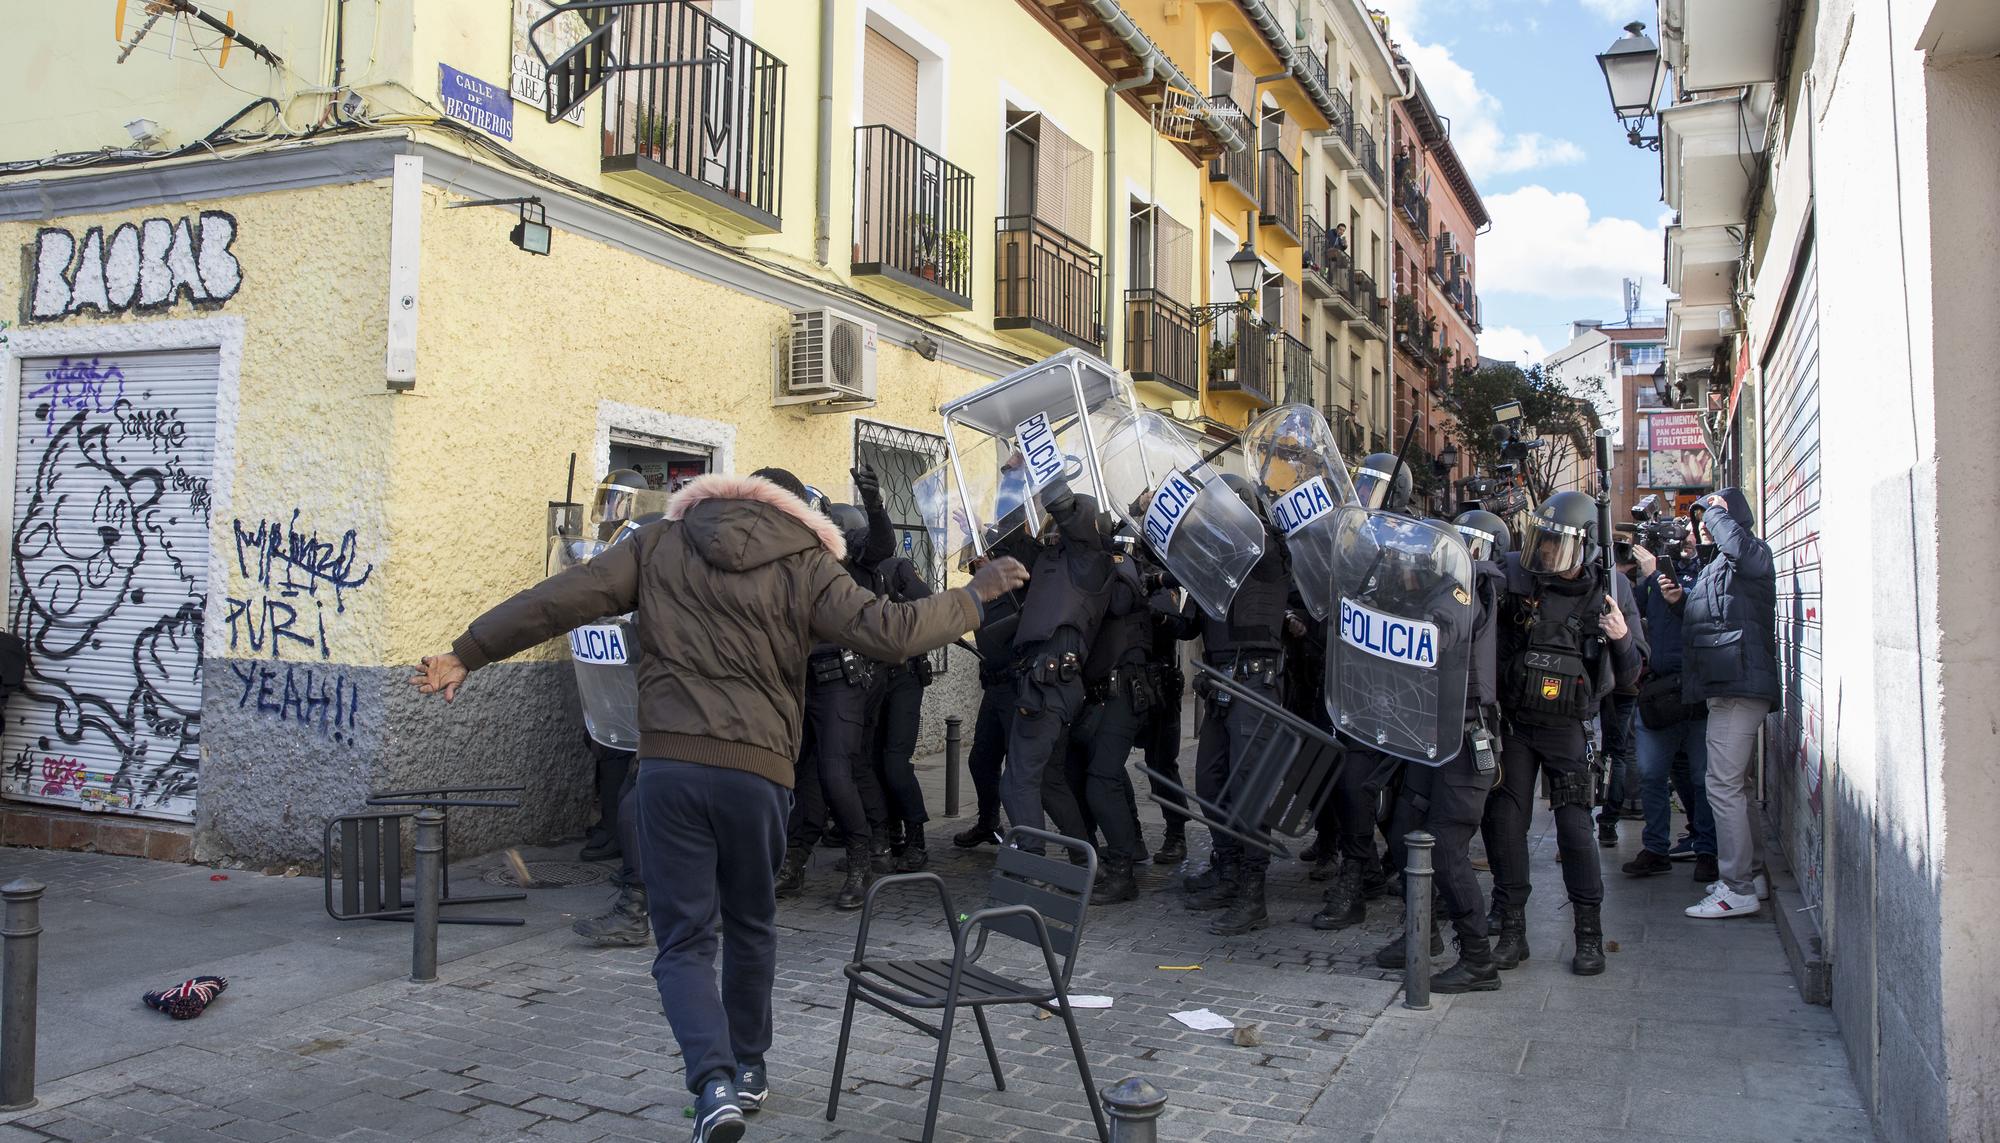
{"x": 826, "y": 362}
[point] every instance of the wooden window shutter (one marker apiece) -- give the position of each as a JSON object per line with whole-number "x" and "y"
{"x": 1063, "y": 182}
{"x": 1173, "y": 271}
{"x": 888, "y": 85}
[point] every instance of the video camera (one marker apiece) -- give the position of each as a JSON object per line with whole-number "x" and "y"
{"x": 1658, "y": 529}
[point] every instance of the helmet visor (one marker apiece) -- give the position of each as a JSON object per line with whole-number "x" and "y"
{"x": 1549, "y": 548}
{"x": 1374, "y": 488}
{"x": 1479, "y": 543}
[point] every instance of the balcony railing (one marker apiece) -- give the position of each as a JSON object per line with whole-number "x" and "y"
{"x": 1278, "y": 193}
{"x": 1237, "y": 168}
{"x": 1365, "y": 154}
{"x": 1315, "y": 68}
{"x": 1362, "y": 295}
{"x": 1239, "y": 355}
{"x": 1417, "y": 209}
{"x": 1295, "y": 370}
{"x": 1343, "y": 119}
{"x": 1047, "y": 281}
{"x": 1162, "y": 342}
{"x": 715, "y": 130}
{"x": 912, "y": 215}
{"x": 1318, "y": 257}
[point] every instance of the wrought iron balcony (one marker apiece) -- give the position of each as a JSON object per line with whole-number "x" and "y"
{"x": 1278, "y": 193}
{"x": 1415, "y": 208}
{"x": 912, "y": 216}
{"x": 1314, "y": 65}
{"x": 1162, "y": 342}
{"x": 699, "y": 108}
{"x": 1365, "y": 154}
{"x": 1366, "y": 302}
{"x": 1295, "y": 370}
{"x": 1237, "y": 168}
{"x": 1341, "y": 131}
{"x": 1047, "y": 282}
{"x": 1239, "y": 354}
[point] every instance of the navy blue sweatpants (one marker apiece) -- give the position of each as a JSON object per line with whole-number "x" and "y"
{"x": 710, "y": 843}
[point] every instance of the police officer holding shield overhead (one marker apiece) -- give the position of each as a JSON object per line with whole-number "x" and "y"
{"x": 1569, "y": 632}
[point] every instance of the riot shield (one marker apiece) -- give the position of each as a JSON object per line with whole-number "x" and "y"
{"x": 605, "y": 655}
{"x": 1398, "y": 655}
{"x": 1294, "y": 460}
{"x": 1196, "y": 526}
{"x": 1287, "y": 775}
{"x": 1014, "y": 441}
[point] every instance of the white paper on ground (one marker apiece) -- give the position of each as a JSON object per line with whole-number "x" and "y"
{"x": 1202, "y": 1020}
{"x": 1090, "y": 1002}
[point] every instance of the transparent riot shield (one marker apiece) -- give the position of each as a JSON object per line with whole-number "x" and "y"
{"x": 1398, "y": 655}
{"x": 1196, "y": 526}
{"x": 1285, "y": 776}
{"x": 1013, "y": 442}
{"x": 1294, "y": 460}
{"x": 605, "y": 655}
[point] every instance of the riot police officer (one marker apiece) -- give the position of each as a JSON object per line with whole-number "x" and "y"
{"x": 1068, "y": 593}
{"x": 897, "y": 709}
{"x": 1569, "y": 632}
{"x": 1382, "y": 482}
{"x": 1160, "y": 737}
{"x": 1118, "y": 698}
{"x": 1450, "y": 801}
{"x": 1247, "y": 644}
{"x": 990, "y": 728}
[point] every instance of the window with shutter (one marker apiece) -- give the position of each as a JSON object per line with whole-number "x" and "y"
{"x": 889, "y": 85}
{"x": 1174, "y": 270}
{"x": 1062, "y": 183}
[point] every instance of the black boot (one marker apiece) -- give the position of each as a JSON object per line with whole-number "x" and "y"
{"x": 1346, "y": 901}
{"x": 916, "y": 855}
{"x": 1225, "y": 875}
{"x": 985, "y": 831}
{"x": 1173, "y": 850}
{"x": 881, "y": 860}
{"x": 1119, "y": 882}
{"x": 1375, "y": 877}
{"x": 623, "y": 927}
{"x": 1246, "y": 911}
{"x": 1607, "y": 829}
{"x": 854, "y": 890}
{"x": 1512, "y": 947}
{"x": 1589, "y": 959}
{"x": 792, "y": 878}
{"x": 1474, "y": 971}
{"x": 1205, "y": 880}
{"x": 1392, "y": 955}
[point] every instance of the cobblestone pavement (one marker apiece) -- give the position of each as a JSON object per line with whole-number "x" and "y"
{"x": 543, "y": 1038}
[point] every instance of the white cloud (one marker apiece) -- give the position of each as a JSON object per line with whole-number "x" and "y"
{"x": 1484, "y": 146}
{"x": 1509, "y": 344}
{"x": 1619, "y": 10}
{"x": 1546, "y": 243}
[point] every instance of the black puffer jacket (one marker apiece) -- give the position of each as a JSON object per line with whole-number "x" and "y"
{"x": 1728, "y": 620}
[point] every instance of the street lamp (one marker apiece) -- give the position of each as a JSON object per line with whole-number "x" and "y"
{"x": 1632, "y": 75}
{"x": 1246, "y": 270}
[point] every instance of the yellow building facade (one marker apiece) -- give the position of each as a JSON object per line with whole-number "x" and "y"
{"x": 296, "y": 372}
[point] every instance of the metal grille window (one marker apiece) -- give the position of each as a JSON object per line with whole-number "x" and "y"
{"x": 900, "y": 456}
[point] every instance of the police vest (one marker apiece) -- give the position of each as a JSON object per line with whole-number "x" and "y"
{"x": 1256, "y": 620}
{"x": 1127, "y": 633}
{"x": 1553, "y": 669}
{"x": 1069, "y": 587}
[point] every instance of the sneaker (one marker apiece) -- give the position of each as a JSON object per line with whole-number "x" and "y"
{"x": 1683, "y": 849}
{"x": 1723, "y": 903}
{"x": 717, "y": 1119}
{"x": 1647, "y": 864}
{"x": 1763, "y": 887}
{"x": 753, "y": 1086}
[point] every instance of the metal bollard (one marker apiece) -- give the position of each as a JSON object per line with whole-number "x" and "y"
{"x": 951, "y": 752}
{"x": 21, "y": 971}
{"x": 1134, "y": 1106}
{"x": 429, "y": 847}
{"x": 1417, "y": 921}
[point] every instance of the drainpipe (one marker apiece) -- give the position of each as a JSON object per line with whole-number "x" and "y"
{"x": 823, "y": 206}
{"x": 1406, "y": 87}
{"x": 1111, "y": 227}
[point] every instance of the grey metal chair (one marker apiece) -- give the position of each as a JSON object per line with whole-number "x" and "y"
{"x": 1039, "y": 900}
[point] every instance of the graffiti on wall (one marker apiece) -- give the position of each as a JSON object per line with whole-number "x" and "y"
{"x": 294, "y": 574}
{"x": 144, "y": 267}
{"x": 108, "y": 559}
{"x": 323, "y": 700}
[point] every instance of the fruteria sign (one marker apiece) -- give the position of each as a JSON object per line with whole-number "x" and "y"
{"x": 1675, "y": 432}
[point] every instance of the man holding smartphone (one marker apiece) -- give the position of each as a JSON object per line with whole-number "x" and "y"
{"x": 1669, "y": 725}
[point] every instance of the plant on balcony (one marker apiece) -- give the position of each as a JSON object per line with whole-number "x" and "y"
{"x": 924, "y": 238}
{"x": 957, "y": 254}
{"x": 1406, "y": 315}
{"x": 657, "y": 135}
{"x": 1221, "y": 358}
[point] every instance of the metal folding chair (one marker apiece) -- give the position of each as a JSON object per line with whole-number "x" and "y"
{"x": 1035, "y": 899}
{"x": 1279, "y": 788}
{"x": 369, "y": 855}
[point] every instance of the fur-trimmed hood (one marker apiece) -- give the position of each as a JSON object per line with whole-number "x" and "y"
{"x": 743, "y": 522}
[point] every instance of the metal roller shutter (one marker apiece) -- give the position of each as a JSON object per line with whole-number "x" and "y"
{"x": 108, "y": 580}
{"x": 889, "y": 85}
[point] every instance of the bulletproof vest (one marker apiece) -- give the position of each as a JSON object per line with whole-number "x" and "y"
{"x": 1482, "y": 683}
{"x": 1256, "y": 620}
{"x": 1127, "y": 633}
{"x": 1553, "y": 666}
{"x": 1069, "y": 587}
{"x": 995, "y": 637}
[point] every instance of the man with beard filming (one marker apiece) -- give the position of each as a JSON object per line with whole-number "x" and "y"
{"x": 730, "y": 591}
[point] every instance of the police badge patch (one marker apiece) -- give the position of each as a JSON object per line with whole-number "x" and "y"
{"x": 1552, "y": 689}
{"x": 1459, "y": 594}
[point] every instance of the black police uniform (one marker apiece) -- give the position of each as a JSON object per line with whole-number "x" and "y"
{"x": 1555, "y": 666}
{"x": 1161, "y": 734}
{"x": 1118, "y": 697}
{"x": 898, "y": 708}
{"x": 995, "y": 643}
{"x": 1069, "y": 590}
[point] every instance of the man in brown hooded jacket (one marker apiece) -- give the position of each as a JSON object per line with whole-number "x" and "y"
{"x": 731, "y": 591}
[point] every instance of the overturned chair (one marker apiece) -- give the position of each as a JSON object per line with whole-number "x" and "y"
{"x": 367, "y": 850}
{"x": 1040, "y": 901}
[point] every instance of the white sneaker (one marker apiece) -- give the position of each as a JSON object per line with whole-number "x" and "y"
{"x": 1763, "y": 887}
{"x": 1720, "y": 902}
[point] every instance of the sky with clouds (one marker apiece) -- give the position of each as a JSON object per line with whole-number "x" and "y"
{"x": 1576, "y": 210}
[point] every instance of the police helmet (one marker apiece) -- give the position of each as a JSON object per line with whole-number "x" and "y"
{"x": 1561, "y": 536}
{"x": 1484, "y": 533}
{"x": 1246, "y": 492}
{"x": 847, "y": 517}
{"x": 621, "y": 495}
{"x": 1383, "y": 483}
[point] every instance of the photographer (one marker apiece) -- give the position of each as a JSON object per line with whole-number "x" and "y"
{"x": 1615, "y": 718}
{"x": 1668, "y": 725}
{"x": 1731, "y": 663}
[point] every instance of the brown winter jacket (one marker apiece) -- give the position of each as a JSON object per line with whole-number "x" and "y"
{"x": 731, "y": 592}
